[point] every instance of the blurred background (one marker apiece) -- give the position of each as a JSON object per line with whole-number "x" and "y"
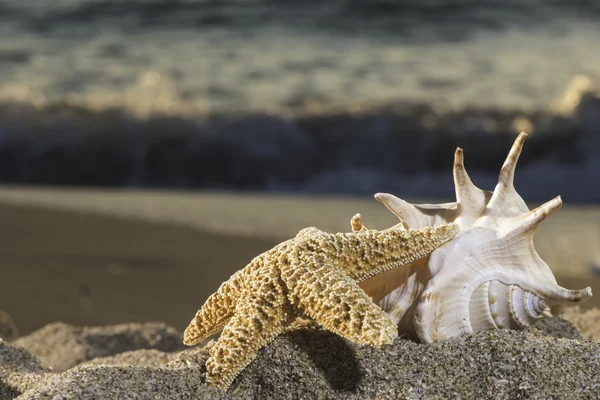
{"x": 219, "y": 98}
{"x": 336, "y": 96}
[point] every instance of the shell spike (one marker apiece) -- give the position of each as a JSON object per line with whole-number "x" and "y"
{"x": 561, "y": 295}
{"x": 470, "y": 199}
{"x": 507, "y": 172}
{"x": 462, "y": 183}
{"x": 398, "y": 207}
{"x": 531, "y": 220}
{"x": 416, "y": 216}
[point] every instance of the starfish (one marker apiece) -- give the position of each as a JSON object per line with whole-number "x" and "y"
{"x": 315, "y": 275}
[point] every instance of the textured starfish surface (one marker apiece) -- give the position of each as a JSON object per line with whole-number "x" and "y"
{"x": 315, "y": 276}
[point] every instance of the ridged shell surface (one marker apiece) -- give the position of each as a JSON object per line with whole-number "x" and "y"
{"x": 488, "y": 277}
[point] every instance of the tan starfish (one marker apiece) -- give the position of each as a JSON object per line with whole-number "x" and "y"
{"x": 313, "y": 275}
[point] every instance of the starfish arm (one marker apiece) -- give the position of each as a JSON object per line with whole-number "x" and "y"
{"x": 366, "y": 253}
{"x": 263, "y": 313}
{"x": 335, "y": 301}
{"x": 216, "y": 311}
{"x": 220, "y": 306}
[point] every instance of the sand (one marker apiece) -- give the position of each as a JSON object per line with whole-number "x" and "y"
{"x": 552, "y": 361}
{"x": 85, "y": 260}
{"x": 87, "y": 269}
{"x": 586, "y": 321}
{"x": 61, "y": 346}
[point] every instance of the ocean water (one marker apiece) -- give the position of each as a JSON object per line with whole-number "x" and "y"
{"x": 341, "y": 96}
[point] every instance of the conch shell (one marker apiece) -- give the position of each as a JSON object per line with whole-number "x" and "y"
{"x": 488, "y": 277}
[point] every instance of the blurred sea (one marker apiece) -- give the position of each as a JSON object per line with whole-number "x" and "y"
{"x": 329, "y": 96}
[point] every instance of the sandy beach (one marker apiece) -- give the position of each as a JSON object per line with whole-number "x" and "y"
{"x": 77, "y": 263}
{"x": 88, "y": 269}
{"x": 94, "y": 257}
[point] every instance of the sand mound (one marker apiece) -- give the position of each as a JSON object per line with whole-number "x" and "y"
{"x": 18, "y": 370}
{"x": 118, "y": 382}
{"x": 586, "y": 321}
{"x": 319, "y": 365}
{"x": 8, "y": 329}
{"x": 62, "y": 346}
{"x": 143, "y": 357}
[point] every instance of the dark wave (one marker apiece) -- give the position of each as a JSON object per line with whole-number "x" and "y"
{"x": 348, "y": 16}
{"x": 405, "y": 150}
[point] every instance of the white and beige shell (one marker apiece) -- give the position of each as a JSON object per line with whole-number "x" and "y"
{"x": 488, "y": 277}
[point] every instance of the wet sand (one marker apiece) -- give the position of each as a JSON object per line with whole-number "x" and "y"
{"x": 95, "y": 270}
{"x": 103, "y": 257}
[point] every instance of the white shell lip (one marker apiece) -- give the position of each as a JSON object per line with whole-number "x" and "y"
{"x": 495, "y": 244}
